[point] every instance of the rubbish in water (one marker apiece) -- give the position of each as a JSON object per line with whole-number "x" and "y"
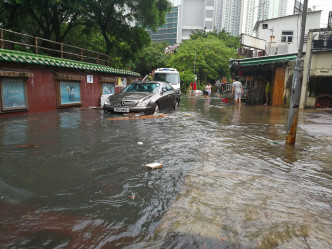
{"x": 26, "y": 146}
{"x": 224, "y": 100}
{"x": 140, "y": 143}
{"x": 154, "y": 165}
{"x": 133, "y": 197}
{"x": 133, "y": 114}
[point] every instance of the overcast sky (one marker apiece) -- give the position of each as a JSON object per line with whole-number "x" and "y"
{"x": 325, "y": 5}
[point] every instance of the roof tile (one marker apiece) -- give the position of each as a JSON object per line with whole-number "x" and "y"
{"x": 23, "y": 57}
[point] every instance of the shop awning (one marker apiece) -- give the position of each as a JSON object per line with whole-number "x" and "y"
{"x": 267, "y": 60}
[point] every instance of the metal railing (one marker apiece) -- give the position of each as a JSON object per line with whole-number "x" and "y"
{"x": 23, "y": 42}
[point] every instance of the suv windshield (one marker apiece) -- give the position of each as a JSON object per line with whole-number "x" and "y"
{"x": 169, "y": 78}
{"x": 142, "y": 87}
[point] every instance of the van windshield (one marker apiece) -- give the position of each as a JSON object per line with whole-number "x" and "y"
{"x": 169, "y": 78}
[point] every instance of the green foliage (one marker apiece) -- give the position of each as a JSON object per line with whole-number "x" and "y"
{"x": 151, "y": 57}
{"x": 115, "y": 19}
{"x": 187, "y": 78}
{"x": 107, "y": 26}
{"x": 205, "y": 55}
{"x": 111, "y": 20}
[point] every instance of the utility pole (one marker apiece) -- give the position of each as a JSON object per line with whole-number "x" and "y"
{"x": 296, "y": 84}
{"x": 195, "y": 62}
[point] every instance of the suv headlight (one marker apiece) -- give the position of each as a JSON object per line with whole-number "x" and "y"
{"x": 143, "y": 102}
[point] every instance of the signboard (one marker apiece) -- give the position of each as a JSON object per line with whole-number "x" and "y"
{"x": 89, "y": 78}
{"x": 70, "y": 92}
{"x": 252, "y": 42}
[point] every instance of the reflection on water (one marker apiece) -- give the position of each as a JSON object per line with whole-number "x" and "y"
{"x": 228, "y": 181}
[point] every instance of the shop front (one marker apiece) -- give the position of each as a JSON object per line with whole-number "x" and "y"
{"x": 264, "y": 78}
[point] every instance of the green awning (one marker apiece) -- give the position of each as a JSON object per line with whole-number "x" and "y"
{"x": 267, "y": 60}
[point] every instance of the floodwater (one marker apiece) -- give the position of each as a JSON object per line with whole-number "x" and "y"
{"x": 77, "y": 179}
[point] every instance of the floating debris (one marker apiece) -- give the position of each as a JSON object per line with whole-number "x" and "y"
{"x": 140, "y": 143}
{"x": 26, "y": 146}
{"x": 225, "y": 100}
{"x": 154, "y": 165}
{"x": 138, "y": 117}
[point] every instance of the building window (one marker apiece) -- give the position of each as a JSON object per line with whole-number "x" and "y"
{"x": 69, "y": 93}
{"x": 265, "y": 26}
{"x": 287, "y": 36}
{"x": 209, "y": 14}
{"x": 13, "y": 94}
{"x": 210, "y": 3}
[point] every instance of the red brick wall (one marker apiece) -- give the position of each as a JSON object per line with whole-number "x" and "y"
{"x": 42, "y": 90}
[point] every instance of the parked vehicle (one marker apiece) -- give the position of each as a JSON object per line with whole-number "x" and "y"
{"x": 169, "y": 75}
{"x": 146, "y": 97}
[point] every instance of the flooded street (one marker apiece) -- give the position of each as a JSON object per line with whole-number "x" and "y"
{"x": 77, "y": 179}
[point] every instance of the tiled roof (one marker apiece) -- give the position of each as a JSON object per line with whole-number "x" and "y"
{"x": 23, "y": 57}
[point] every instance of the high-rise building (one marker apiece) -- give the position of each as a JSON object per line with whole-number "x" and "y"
{"x": 169, "y": 31}
{"x": 228, "y": 16}
{"x": 196, "y": 15}
{"x": 249, "y": 16}
{"x": 269, "y": 9}
{"x": 233, "y": 16}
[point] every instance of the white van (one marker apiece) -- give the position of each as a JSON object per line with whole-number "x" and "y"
{"x": 169, "y": 75}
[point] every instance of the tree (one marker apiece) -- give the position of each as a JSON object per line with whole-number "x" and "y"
{"x": 187, "y": 78}
{"x": 229, "y": 40}
{"x": 49, "y": 19}
{"x": 206, "y": 55}
{"x": 151, "y": 57}
{"x": 122, "y": 23}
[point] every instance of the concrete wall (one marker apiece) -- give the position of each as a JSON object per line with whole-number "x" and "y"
{"x": 321, "y": 64}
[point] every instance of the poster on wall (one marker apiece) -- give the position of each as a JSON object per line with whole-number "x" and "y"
{"x": 70, "y": 92}
{"x": 13, "y": 93}
{"x": 124, "y": 82}
{"x": 108, "y": 88}
{"x": 119, "y": 81}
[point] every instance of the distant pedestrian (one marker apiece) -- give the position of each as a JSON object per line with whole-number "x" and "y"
{"x": 267, "y": 92}
{"x": 218, "y": 85}
{"x": 208, "y": 89}
{"x": 237, "y": 90}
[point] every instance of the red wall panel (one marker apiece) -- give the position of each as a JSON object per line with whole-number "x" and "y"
{"x": 42, "y": 88}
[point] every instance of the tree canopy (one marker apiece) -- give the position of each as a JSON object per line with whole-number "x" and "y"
{"x": 206, "y": 55}
{"x": 119, "y": 23}
{"x": 152, "y": 57}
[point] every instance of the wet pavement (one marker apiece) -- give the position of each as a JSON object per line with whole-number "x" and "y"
{"x": 77, "y": 179}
